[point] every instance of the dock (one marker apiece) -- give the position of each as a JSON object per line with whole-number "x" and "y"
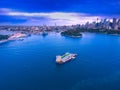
{"x": 17, "y": 36}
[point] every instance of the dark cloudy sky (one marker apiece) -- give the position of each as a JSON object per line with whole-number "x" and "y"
{"x": 62, "y": 12}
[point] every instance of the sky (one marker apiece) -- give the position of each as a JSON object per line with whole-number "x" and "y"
{"x": 61, "y": 12}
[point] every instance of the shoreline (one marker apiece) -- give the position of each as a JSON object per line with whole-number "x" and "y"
{"x": 72, "y": 36}
{"x": 4, "y": 41}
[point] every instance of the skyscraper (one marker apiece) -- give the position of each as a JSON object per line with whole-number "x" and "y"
{"x": 118, "y": 23}
{"x": 114, "y": 21}
{"x": 115, "y": 26}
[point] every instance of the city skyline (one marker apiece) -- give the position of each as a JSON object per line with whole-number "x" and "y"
{"x": 35, "y": 12}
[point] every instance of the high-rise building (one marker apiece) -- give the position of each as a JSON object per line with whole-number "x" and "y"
{"x": 118, "y": 23}
{"x": 105, "y": 20}
{"x": 115, "y": 26}
{"x": 114, "y": 20}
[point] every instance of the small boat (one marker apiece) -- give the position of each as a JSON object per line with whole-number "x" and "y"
{"x": 64, "y": 58}
{"x": 44, "y": 33}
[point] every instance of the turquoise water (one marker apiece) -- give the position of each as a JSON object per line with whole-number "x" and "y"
{"x": 30, "y": 64}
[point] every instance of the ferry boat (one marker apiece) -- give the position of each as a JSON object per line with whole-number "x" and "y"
{"x": 64, "y": 58}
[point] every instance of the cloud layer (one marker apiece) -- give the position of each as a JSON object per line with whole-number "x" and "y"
{"x": 60, "y": 11}
{"x": 50, "y": 18}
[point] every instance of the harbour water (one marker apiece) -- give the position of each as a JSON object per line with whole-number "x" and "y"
{"x": 30, "y": 64}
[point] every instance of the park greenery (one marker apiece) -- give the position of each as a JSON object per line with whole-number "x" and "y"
{"x": 3, "y": 37}
{"x": 72, "y": 33}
